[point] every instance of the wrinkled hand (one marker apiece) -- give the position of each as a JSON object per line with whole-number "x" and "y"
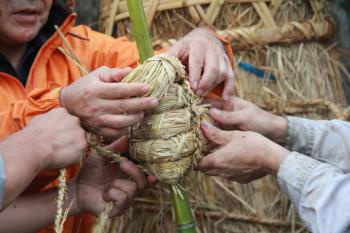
{"x": 105, "y": 106}
{"x": 237, "y": 113}
{"x": 101, "y": 181}
{"x": 59, "y": 137}
{"x": 206, "y": 61}
{"x": 242, "y": 156}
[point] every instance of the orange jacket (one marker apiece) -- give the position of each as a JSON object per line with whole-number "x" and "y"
{"x": 50, "y": 72}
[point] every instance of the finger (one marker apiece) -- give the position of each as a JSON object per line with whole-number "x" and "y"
{"x": 110, "y": 132}
{"x": 114, "y": 74}
{"x": 195, "y": 67}
{"x": 135, "y": 173}
{"x": 127, "y": 186}
{"x": 122, "y": 90}
{"x": 120, "y": 145}
{"x": 213, "y": 172}
{"x": 236, "y": 103}
{"x": 229, "y": 85}
{"x": 120, "y": 200}
{"x": 211, "y": 73}
{"x": 175, "y": 50}
{"x": 152, "y": 181}
{"x": 120, "y": 121}
{"x": 223, "y": 70}
{"x": 227, "y": 118}
{"x": 207, "y": 163}
{"x": 214, "y": 134}
{"x": 130, "y": 105}
{"x": 216, "y": 103}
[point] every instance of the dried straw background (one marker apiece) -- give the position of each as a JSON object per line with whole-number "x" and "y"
{"x": 308, "y": 83}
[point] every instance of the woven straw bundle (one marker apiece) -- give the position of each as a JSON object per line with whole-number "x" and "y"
{"x": 168, "y": 141}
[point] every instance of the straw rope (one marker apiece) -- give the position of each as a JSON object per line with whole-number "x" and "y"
{"x": 288, "y": 33}
{"x": 307, "y": 106}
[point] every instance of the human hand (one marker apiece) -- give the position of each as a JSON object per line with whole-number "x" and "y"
{"x": 58, "y": 137}
{"x": 242, "y": 156}
{"x": 101, "y": 181}
{"x": 237, "y": 113}
{"x": 207, "y": 63}
{"x": 104, "y": 106}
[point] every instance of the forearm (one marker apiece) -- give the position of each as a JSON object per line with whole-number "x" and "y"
{"x": 320, "y": 192}
{"x": 34, "y": 212}
{"x": 23, "y": 159}
{"x": 326, "y": 141}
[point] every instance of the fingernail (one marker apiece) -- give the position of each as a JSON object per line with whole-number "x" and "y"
{"x": 128, "y": 69}
{"x": 145, "y": 88}
{"x": 152, "y": 179}
{"x": 154, "y": 102}
{"x": 215, "y": 111}
{"x": 206, "y": 124}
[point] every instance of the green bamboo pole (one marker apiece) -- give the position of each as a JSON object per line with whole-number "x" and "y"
{"x": 140, "y": 29}
{"x": 183, "y": 213}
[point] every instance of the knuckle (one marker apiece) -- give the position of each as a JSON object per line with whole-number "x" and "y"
{"x": 89, "y": 110}
{"x": 122, "y": 107}
{"x": 89, "y": 92}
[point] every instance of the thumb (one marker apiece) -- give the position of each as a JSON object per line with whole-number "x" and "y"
{"x": 115, "y": 75}
{"x": 120, "y": 145}
{"x": 214, "y": 134}
{"x": 227, "y": 118}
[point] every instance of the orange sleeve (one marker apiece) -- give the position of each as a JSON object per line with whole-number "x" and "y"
{"x": 19, "y": 113}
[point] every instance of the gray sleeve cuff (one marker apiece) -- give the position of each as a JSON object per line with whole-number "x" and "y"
{"x": 301, "y": 135}
{"x": 2, "y": 180}
{"x": 292, "y": 174}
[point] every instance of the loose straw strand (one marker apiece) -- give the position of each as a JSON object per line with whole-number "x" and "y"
{"x": 61, "y": 215}
{"x": 103, "y": 220}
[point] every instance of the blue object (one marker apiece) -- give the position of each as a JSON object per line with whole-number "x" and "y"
{"x": 260, "y": 73}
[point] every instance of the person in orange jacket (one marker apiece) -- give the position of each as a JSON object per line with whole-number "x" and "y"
{"x": 36, "y": 77}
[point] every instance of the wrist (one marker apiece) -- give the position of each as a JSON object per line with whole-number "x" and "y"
{"x": 279, "y": 130}
{"x": 274, "y": 156}
{"x": 31, "y": 146}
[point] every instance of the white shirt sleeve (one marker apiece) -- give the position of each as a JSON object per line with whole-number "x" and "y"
{"x": 327, "y": 141}
{"x": 319, "y": 191}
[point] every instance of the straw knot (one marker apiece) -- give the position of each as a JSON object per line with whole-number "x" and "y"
{"x": 168, "y": 141}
